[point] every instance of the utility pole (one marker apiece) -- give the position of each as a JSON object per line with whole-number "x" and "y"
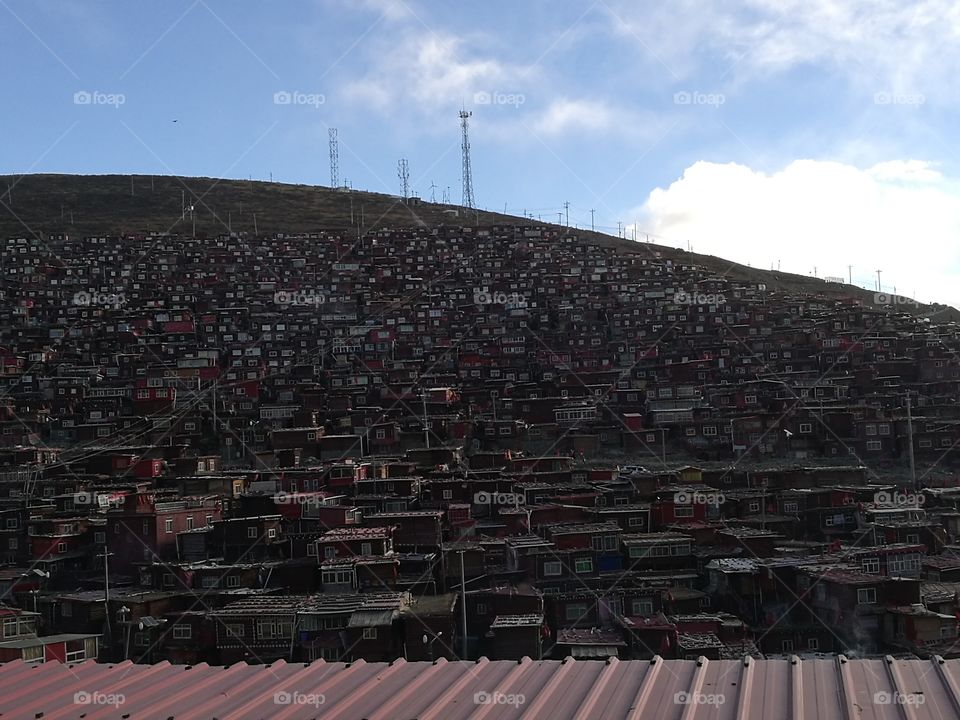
{"x": 106, "y": 590}
{"x": 426, "y": 425}
{"x": 849, "y": 274}
{"x": 878, "y": 280}
{"x": 463, "y": 604}
{"x": 566, "y": 207}
{"x": 619, "y": 224}
{"x": 913, "y": 467}
{"x": 592, "y": 211}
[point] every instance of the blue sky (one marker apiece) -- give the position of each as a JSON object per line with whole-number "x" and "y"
{"x": 809, "y": 134}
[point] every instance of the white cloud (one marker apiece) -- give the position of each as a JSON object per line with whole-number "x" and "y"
{"x": 389, "y": 9}
{"x": 564, "y": 114}
{"x": 885, "y": 45}
{"x": 900, "y": 216}
{"x": 429, "y": 71}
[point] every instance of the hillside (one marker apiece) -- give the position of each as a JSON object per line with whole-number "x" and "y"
{"x": 106, "y": 204}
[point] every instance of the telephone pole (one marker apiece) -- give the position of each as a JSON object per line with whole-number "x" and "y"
{"x": 463, "y": 604}
{"x": 591, "y": 219}
{"x": 566, "y": 207}
{"x": 913, "y": 467}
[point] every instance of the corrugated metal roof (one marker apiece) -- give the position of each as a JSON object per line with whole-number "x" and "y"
{"x": 794, "y": 689}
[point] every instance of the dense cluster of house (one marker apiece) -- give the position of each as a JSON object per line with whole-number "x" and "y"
{"x": 454, "y": 442}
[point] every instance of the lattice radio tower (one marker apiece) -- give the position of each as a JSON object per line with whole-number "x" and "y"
{"x": 334, "y": 158}
{"x": 403, "y": 172}
{"x": 467, "y": 172}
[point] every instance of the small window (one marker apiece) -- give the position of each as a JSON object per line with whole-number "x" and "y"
{"x": 552, "y": 569}
{"x": 233, "y": 581}
{"x": 168, "y": 527}
{"x": 866, "y": 596}
{"x": 370, "y": 633}
{"x": 182, "y": 632}
{"x": 583, "y": 565}
{"x": 235, "y": 630}
{"x": 813, "y": 644}
{"x": 481, "y": 609}
{"x": 252, "y": 533}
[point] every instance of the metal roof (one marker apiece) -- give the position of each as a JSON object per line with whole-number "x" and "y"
{"x": 823, "y": 689}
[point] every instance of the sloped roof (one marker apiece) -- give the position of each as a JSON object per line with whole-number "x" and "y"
{"x": 820, "y": 689}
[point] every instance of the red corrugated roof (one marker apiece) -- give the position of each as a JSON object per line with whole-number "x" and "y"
{"x": 586, "y": 690}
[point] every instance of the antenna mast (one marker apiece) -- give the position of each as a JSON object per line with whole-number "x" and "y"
{"x": 468, "y": 201}
{"x": 403, "y": 172}
{"x": 334, "y": 158}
